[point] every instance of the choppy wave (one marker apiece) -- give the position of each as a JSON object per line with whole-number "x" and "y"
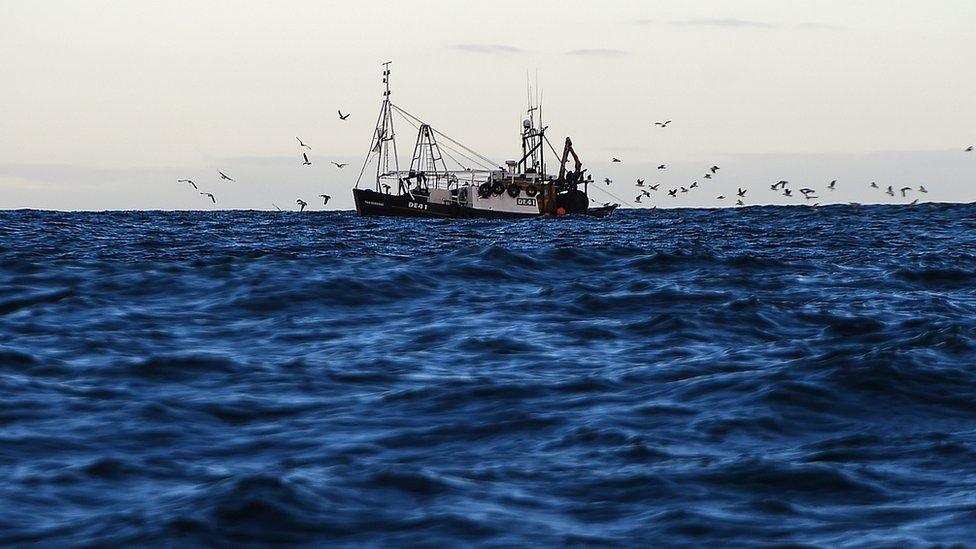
{"x": 764, "y": 376}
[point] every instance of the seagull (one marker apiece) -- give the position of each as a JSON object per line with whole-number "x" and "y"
{"x": 673, "y": 192}
{"x": 654, "y": 186}
{"x": 637, "y": 200}
{"x": 276, "y": 206}
{"x": 739, "y": 203}
{"x": 342, "y": 116}
{"x": 661, "y": 167}
{"x": 211, "y": 197}
{"x": 301, "y": 204}
{"x": 684, "y": 190}
{"x": 607, "y": 180}
{"x": 874, "y": 185}
{"x": 640, "y": 182}
{"x": 693, "y": 185}
{"x": 663, "y": 124}
{"x": 806, "y": 191}
{"x": 307, "y": 161}
{"x": 224, "y": 176}
{"x": 787, "y": 192}
{"x": 645, "y": 193}
{"x": 325, "y": 199}
{"x": 903, "y": 189}
{"x": 742, "y": 192}
{"x": 889, "y": 191}
{"x": 302, "y": 144}
{"x": 614, "y": 159}
{"x": 922, "y": 189}
{"x": 714, "y": 169}
{"x": 832, "y": 184}
{"x": 190, "y": 181}
{"x": 969, "y": 149}
{"x": 707, "y": 176}
{"x": 913, "y": 202}
{"x": 810, "y": 196}
{"x": 338, "y": 165}
{"x": 720, "y": 197}
{"x": 774, "y": 186}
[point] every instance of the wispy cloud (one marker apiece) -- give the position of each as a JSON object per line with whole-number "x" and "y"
{"x": 496, "y": 49}
{"x": 732, "y": 22}
{"x": 598, "y": 52}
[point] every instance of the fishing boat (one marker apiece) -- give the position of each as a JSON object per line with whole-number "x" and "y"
{"x": 473, "y": 186}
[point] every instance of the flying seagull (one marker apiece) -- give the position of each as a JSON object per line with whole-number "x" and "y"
{"x": 707, "y": 176}
{"x": 720, "y": 197}
{"x": 661, "y": 167}
{"x": 211, "y": 197}
{"x": 832, "y": 185}
{"x": 302, "y": 144}
{"x": 301, "y": 204}
{"x": 654, "y": 186}
{"x": 922, "y": 189}
{"x": 663, "y": 124}
{"x": 889, "y": 191}
{"x": 874, "y": 185}
{"x": 614, "y": 159}
{"x": 673, "y": 192}
{"x": 742, "y": 192}
{"x": 325, "y": 199}
{"x": 640, "y": 182}
{"x": 637, "y": 199}
{"x": 224, "y": 176}
{"x": 645, "y": 193}
{"x": 684, "y": 190}
{"x": 343, "y": 116}
{"x": 338, "y": 165}
{"x": 307, "y": 161}
{"x": 739, "y": 203}
{"x": 903, "y": 190}
{"x": 693, "y": 185}
{"x": 607, "y": 180}
{"x": 190, "y": 181}
{"x": 969, "y": 149}
{"x": 714, "y": 169}
{"x": 787, "y": 192}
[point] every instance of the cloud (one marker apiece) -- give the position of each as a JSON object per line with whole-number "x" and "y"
{"x": 494, "y": 49}
{"x": 732, "y": 22}
{"x": 598, "y": 52}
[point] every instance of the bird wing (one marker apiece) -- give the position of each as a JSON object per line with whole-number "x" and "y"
{"x": 306, "y": 157}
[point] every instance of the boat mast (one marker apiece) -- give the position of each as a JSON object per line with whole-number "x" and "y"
{"x": 383, "y": 138}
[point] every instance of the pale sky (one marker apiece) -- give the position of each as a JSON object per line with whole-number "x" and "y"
{"x": 104, "y": 104}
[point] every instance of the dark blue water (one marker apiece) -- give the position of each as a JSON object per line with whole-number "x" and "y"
{"x": 738, "y": 377}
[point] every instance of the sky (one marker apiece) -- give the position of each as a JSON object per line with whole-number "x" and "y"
{"x": 105, "y": 104}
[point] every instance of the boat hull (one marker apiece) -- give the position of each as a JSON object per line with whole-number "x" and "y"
{"x": 372, "y": 203}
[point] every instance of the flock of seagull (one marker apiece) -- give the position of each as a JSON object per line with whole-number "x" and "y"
{"x": 782, "y": 186}
{"x": 305, "y": 162}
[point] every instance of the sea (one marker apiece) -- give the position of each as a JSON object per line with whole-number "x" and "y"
{"x": 762, "y": 376}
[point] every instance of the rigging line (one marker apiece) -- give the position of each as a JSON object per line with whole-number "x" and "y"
{"x": 553, "y": 149}
{"x": 489, "y": 161}
{"x": 615, "y": 197}
{"x": 448, "y": 147}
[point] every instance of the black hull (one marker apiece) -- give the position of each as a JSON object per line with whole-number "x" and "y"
{"x": 372, "y": 203}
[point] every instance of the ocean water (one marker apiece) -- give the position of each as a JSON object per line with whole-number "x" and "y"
{"x": 761, "y": 376}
